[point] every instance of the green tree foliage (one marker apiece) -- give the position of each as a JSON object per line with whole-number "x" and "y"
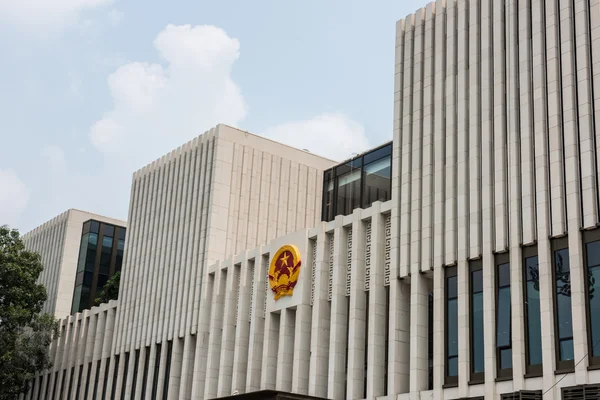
{"x": 25, "y": 334}
{"x": 110, "y": 291}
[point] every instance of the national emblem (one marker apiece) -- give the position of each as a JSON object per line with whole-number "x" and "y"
{"x": 284, "y": 271}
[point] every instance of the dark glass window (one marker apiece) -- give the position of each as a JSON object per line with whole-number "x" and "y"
{"x": 107, "y": 244}
{"x": 90, "y": 258}
{"x": 156, "y": 369}
{"x": 135, "y": 370}
{"x": 377, "y": 181}
{"x": 99, "y": 258}
{"x": 108, "y": 230}
{"x": 476, "y": 325}
{"x": 533, "y": 324}
{"x": 95, "y": 227}
{"x": 114, "y": 381}
{"x": 430, "y": 341}
{"x": 592, "y": 261}
{"x": 106, "y": 369}
{"x": 451, "y": 326}
{"x": 503, "y": 317}
{"x": 168, "y": 370}
{"x": 348, "y": 191}
{"x": 562, "y": 306}
{"x": 120, "y": 249}
{"x": 126, "y": 367}
{"x": 145, "y": 376}
{"x": 86, "y": 227}
{"x": 357, "y": 183}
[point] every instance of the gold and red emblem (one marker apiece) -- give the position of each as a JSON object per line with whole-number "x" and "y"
{"x": 284, "y": 271}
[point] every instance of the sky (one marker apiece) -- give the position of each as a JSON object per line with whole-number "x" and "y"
{"x": 93, "y": 90}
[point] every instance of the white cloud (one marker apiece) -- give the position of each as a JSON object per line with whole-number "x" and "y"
{"x": 115, "y": 17}
{"x": 55, "y": 156}
{"x": 45, "y": 13}
{"x": 158, "y": 107}
{"x": 334, "y": 136}
{"x": 14, "y": 196}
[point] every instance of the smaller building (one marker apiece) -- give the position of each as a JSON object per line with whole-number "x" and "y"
{"x": 100, "y": 257}
{"x": 80, "y": 251}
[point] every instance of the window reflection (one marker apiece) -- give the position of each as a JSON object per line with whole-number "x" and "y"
{"x": 593, "y": 273}
{"x": 532, "y": 312}
{"x": 563, "y": 304}
{"x": 451, "y": 324}
{"x": 477, "y": 346}
{"x": 377, "y": 181}
{"x": 357, "y": 183}
{"x": 503, "y": 318}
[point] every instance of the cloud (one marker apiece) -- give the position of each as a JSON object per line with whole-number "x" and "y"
{"x": 158, "y": 107}
{"x": 115, "y": 17}
{"x": 334, "y": 136}
{"x": 14, "y": 196}
{"x": 45, "y": 13}
{"x": 55, "y": 156}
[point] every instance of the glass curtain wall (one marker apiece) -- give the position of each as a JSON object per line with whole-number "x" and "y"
{"x": 357, "y": 183}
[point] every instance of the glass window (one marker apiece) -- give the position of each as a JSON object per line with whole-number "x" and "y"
{"x": 76, "y": 299}
{"x": 592, "y": 253}
{"x": 357, "y": 183}
{"x": 121, "y": 233}
{"x": 86, "y": 227}
{"x": 564, "y": 325}
{"x": 107, "y": 243}
{"x": 477, "y": 345}
{"x": 451, "y": 326}
{"x": 377, "y": 184}
{"x": 119, "y": 260}
{"x": 503, "y": 317}
{"x": 95, "y": 227}
{"x": 83, "y": 246}
{"x": 108, "y": 230}
{"x": 533, "y": 325}
{"x": 90, "y": 258}
{"x": 348, "y": 192}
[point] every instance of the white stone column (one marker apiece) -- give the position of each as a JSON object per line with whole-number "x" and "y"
{"x": 339, "y": 316}
{"x": 151, "y": 366}
{"x": 285, "y": 352}
{"x": 228, "y": 335}
{"x": 270, "y": 349}
{"x": 374, "y": 260}
{"x": 242, "y": 332}
{"x": 175, "y": 370}
{"x": 399, "y": 338}
{"x": 257, "y": 324}
{"x": 89, "y": 350}
{"x": 160, "y": 388}
{"x": 202, "y": 335}
{"x": 187, "y": 367}
{"x": 418, "y": 334}
{"x": 320, "y": 327}
{"x": 302, "y": 339}
{"x": 119, "y": 384}
{"x": 214, "y": 340}
{"x": 358, "y": 311}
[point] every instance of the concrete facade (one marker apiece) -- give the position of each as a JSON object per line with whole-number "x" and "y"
{"x": 496, "y": 152}
{"x": 58, "y": 241}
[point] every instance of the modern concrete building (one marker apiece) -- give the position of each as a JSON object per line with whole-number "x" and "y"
{"x": 474, "y": 276}
{"x": 59, "y": 242}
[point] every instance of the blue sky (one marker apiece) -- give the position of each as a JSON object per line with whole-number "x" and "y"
{"x": 92, "y": 90}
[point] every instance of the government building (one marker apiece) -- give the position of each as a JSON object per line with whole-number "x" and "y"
{"x": 459, "y": 261}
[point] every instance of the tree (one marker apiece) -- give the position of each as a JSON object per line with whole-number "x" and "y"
{"x": 25, "y": 334}
{"x": 110, "y": 291}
